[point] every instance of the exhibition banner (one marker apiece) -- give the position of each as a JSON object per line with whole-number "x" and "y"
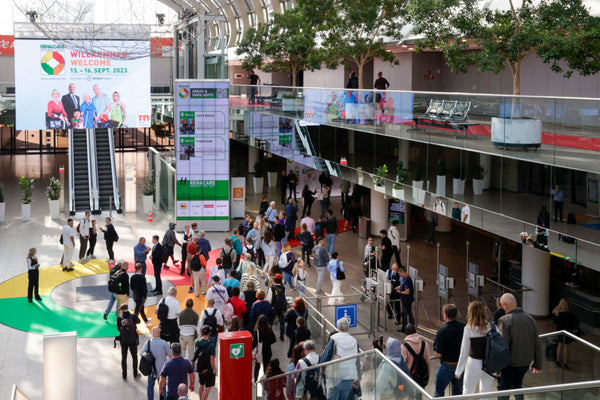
{"x": 202, "y": 151}
{"x": 62, "y": 88}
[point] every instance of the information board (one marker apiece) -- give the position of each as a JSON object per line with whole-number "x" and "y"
{"x": 396, "y": 210}
{"x": 202, "y": 151}
{"x": 58, "y": 87}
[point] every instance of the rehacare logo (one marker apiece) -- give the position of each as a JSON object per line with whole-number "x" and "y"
{"x": 53, "y": 63}
{"x": 184, "y": 93}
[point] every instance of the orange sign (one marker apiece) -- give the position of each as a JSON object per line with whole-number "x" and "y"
{"x": 238, "y": 193}
{"x": 7, "y": 45}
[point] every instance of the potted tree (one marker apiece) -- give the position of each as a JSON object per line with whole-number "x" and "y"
{"x": 402, "y": 177}
{"x": 440, "y": 187}
{"x": 478, "y": 173}
{"x": 458, "y": 180}
{"x": 26, "y": 186}
{"x": 53, "y": 192}
{"x": 417, "y": 184}
{"x": 2, "y": 204}
{"x": 258, "y": 180}
{"x": 379, "y": 178}
{"x": 272, "y": 174}
{"x": 148, "y": 193}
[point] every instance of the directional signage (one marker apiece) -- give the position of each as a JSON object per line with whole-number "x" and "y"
{"x": 347, "y": 311}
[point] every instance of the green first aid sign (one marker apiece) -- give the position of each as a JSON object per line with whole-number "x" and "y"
{"x": 236, "y": 350}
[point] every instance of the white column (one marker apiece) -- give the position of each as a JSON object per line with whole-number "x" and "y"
{"x": 379, "y": 212}
{"x": 252, "y": 158}
{"x": 535, "y": 269}
{"x": 485, "y": 160}
{"x": 60, "y": 366}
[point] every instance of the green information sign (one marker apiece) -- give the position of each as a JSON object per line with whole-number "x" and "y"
{"x": 285, "y": 139}
{"x": 236, "y": 350}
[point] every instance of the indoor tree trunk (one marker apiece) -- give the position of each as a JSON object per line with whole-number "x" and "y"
{"x": 516, "y": 73}
{"x": 360, "y": 75}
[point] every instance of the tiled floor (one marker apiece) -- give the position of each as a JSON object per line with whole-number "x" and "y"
{"x": 98, "y": 361}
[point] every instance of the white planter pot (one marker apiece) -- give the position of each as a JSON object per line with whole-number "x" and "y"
{"x": 516, "y": 132}
{"x": 458, "y": 186}
{"x": 360, "y": 177}
{"x": 477, "y": 186}
{"x": 398, "y": 193}
{"x": 418, "y": 192}
{"x": 272, "y": 176}
{"x": 440, "y": 187}
{"x": 54, "y": 208}
{"x": 25, "y": 212}
{"x": 147, "y": 203}
{"x": 380, "y": 189}
{"x": 258, "y": 184}
{"x": 2, "y": 211}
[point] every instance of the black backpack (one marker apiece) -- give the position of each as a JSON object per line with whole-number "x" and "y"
{"x": 227, "y": 262}
{"x": 128, "y": 332}
{"x": 497, "y": 352}
{"x": 203, "y": 359}
{"x": 211, "y": 320}
{"x": 115, "y": 277}
{"x": 312, "y": 385}
{"x": 147, "y": 362}
{"x": 418, "y": 370}
{"x": 162, "y": 311}
{"x": 279, "y": 301}
{"x": 249, "y": 251}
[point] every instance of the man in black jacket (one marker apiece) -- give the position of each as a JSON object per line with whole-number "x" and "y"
{"x": 110, "y": 237}
{"x": 140, "y": 291}
{"x": 157, "y": 256}
{"x": 386, "y": 250}
{"x": 128, "y": 337}
{"x": 283, "y": 186}
{"x": 122, "y": 287}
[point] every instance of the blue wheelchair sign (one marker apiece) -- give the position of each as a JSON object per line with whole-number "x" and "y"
{"x": 347, "y": 311}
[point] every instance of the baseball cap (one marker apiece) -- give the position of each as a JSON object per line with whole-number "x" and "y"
{"x": 206, "y": 329}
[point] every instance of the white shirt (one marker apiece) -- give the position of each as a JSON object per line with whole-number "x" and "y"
{"x": 67, "y": 234}
{"x": 174, "y": 307}
{"x": 219, "y": 294}
{"x": 465, "y": 214}
{"x": 209, "y": 311}
{"x": 465, "y": 347}
{"x": 394, "y": 236}
{"x": 310, "y": 224}
{"x": 439, "y": 208}
{"x": 84, "y": 227}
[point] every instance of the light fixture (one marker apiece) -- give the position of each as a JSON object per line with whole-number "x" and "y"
{"x": 161, "y": 18}
{"x": 32, "y": 15}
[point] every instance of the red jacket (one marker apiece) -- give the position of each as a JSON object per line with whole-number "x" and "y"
{"x": 239, "y": 306}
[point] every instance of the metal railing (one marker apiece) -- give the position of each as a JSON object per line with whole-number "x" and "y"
{"x": 71, "y": 176}
{"x": 113, "y": 168}
{"x": 90, "y": 135}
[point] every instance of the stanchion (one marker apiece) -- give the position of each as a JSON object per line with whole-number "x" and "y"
{"x": 150, "y": 216}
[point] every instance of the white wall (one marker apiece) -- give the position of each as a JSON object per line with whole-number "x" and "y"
{"x": 160, "y": 69}
{"x": 399, "y": 75}
{"x": 325, "y": 78}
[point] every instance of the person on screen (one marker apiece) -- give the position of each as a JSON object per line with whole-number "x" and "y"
{"x": 100, "y": 103}
{"x": 77, "y": 120}
{"x": 71, "y": 102}
{"x": 88, "y": 112}
{"x": 116, "y": 112}
{"x": 56, "y": 117}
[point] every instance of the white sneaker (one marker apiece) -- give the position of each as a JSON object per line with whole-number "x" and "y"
{"x": 82, "y": 261}
{"x": 92, "y": 257}
{"x": 149, "y": 321}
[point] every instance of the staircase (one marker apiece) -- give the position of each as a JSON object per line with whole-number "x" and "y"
{"x": 80, "y": 171}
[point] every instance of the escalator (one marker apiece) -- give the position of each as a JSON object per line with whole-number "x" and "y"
{"x": 79, "y": 172}
{"x": 108, "y": 186}
{"x": 305, "y": 145}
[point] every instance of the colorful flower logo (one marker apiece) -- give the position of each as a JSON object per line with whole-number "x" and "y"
{"x": 184, "y": 93}
{"x": 53, "y": 63}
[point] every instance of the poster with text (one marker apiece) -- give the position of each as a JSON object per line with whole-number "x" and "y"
{"x": 61, "y": 88}
{"x": 202, "y": 151}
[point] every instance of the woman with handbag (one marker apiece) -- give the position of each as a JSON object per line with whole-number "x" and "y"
{"x": 337, "y": 273}
{"x": 262, "y": 339}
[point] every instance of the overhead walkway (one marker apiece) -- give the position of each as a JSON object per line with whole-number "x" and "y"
{"x": 93, "y": 179}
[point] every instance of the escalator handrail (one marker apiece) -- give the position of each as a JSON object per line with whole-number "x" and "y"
{"x": 71, "y": 172}
{"x": 90, "y": 136}
{"x": 113, "y": 171}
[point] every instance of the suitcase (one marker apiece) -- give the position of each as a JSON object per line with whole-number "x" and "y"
{"x": 571, "y": 219}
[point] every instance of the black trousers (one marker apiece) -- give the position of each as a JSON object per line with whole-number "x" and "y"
{"x": 558, "y": 210}
{"x": 307, "y": 208}
{"x": 139, "y": 307}
{"x": 109, "y": 249}
{"x": 132, "y": 348}
{"x": 92, "y": 244}
{"x": 34, "y": 283}
{"x": 512, "y": 378}
{"x": 183, "y": 258}
{"x": 430, "y": 232}
{"x": 157, "y": 270}
{"x": 407, "y": 313}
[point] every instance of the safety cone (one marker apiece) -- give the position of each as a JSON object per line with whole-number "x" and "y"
{"x": 150, "y": 216}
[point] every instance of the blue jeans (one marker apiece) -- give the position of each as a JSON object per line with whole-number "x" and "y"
{"x": 111, "y": 302}
{"x": 278, "y": 247}
{"x": 150, "y": 391}
{"x": 287, "y": 277}
{"x": 444, "y": 377}
{"x": 341, "y": 391}
{"x": 330, "y": 238}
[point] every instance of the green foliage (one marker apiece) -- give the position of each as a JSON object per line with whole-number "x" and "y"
{"x": 402, "y": 175}
{"x": 355, "y": 32}
{"x": 149, "y": 185}
{"x": 259, "y": 169}
{"x": 288, "y": 45}
{"x": 478, "y": 171}
{"x": 26, "y": 185}
{"x": 380, "y": 174}
{"x": 458, "y": 172}
{"x": 561, "y": 32}
{"x": 441, "y": 167}
{"x": 53, "y": 189}
{"x": 236, "y": 167}
{"x": 417, "y": 173}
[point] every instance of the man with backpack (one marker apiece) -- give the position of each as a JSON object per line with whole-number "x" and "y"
{"x": 340, "y": 345}
{"x": 416, "y": 353}
{"x": 521, "y": 333}
{"x": 278, "y": 301}
{"x": 119, "y": 284}
{"x": 213, "y": 318}
{"x": 309, "y": 381}
{"x": 160, "y": 351}
{"x": 128, "y": 337}
{"x": 112, "y": 283}
{"x": 167, "y": 312}
{"x": 204, "y": 361}
{"x": 198, "y": 268}
{"x": 331, "y": 230}
{"x": 227, "y": 256}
